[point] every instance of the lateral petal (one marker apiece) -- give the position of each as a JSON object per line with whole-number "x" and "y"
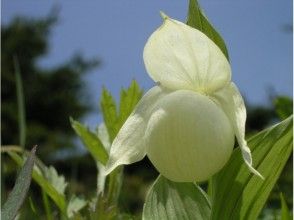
{"x": 182, "y": 57}
{"x": 129, "y": 145}
{"x": 230, "y": 99}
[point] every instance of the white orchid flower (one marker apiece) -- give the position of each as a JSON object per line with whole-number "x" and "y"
{"x": 187, "y": 123}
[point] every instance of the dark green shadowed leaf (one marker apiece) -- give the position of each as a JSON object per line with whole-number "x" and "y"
{"x": 198, "y": 20}
{"x": 20, "y": 189}
{"x": 171, "y": 200}
{"x": 237, "y": 193}
{"x": 91, "y": 142}
{"x": 20, "y": 104}
{"x": 283, "y": 106}
{"x": 285, "y": 213}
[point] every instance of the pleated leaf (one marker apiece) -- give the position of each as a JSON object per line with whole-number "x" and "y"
{"x": 237, "y": 193}
{"x": 171, "y": 200}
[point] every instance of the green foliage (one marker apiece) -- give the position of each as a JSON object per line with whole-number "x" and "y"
{"x": 198, "y": 20}
{"x": 113, "y": 117}
{"x": 98, "y": 144}
{"x": 91, "y": 142}
{"x": 20, "y": 189}
{"x": 271, "y": 149}
{"x": 51, "y": 94}
{"x": 108, "y": 108}
{"x": 170, "y": 200}
{"x": 45, "y": 181}
{"x": 128, "y": 100}
{"x": 283, "y": 106}
{"x": 285, "y": 213}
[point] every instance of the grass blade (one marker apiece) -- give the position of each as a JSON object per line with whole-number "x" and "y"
{"x": 20, "y": 104}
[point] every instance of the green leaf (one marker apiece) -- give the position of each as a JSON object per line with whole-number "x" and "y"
{"x": 171, "y": 200}
{"x": 283, "y": 106}
{"x": 128, "y": 100}
{"x": 20, "y": 104}
{"x": 40, "y": 179}
{"x": 75, "y": 205}
{"x": 20, "y": 189}
{"x": 91, "y": 142}
{"x": 198, "y": 20}
{"x": 285, "y": 213}
{"x": 237, "y": 193}
{"x": 108, "y": 108}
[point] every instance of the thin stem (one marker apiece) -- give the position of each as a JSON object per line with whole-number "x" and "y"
{"x": 47, "y": 206}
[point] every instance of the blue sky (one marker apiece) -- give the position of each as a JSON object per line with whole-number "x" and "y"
{"x": 116, "y": 31}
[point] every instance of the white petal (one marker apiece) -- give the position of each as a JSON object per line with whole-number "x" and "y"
{"x": 129, "y": 144}
{"x": 232, "y": 103}
{"x": 181, "y": 57}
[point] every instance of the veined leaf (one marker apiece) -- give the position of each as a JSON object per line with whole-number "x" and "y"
{"x": 20, "y": 189}
{"x": 40, "y": 179}
{"x": 198, "y": 20}
{"x": 237, "y": 193}
{"x": 91, "y": 142}
{"x": 171, "y": 200}
{"x": 108, "y": 108}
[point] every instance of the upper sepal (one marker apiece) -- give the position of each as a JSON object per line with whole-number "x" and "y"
{"x": 181, "y": 57}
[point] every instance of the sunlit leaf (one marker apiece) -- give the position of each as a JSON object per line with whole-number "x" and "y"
{"x": 90, "y": 141}
{"x": 108, "y": 108}
{"x": 128, "y": 100}
{"x": 113, "y": 117}
{"x": 171, "y": 200}
{"x": 237, "y": 193}
{"x": 198, "y": 20}
{"x": 20, "y": 189}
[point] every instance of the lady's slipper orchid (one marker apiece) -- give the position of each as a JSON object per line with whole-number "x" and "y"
{"x": 187, "y": 123}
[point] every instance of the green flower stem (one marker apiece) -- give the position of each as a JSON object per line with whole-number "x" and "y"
{"x": 114, "y": 185}
{"x": 47, "y": 206}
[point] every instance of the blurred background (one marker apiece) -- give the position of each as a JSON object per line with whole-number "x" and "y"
{"x": 68, "y": 50}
